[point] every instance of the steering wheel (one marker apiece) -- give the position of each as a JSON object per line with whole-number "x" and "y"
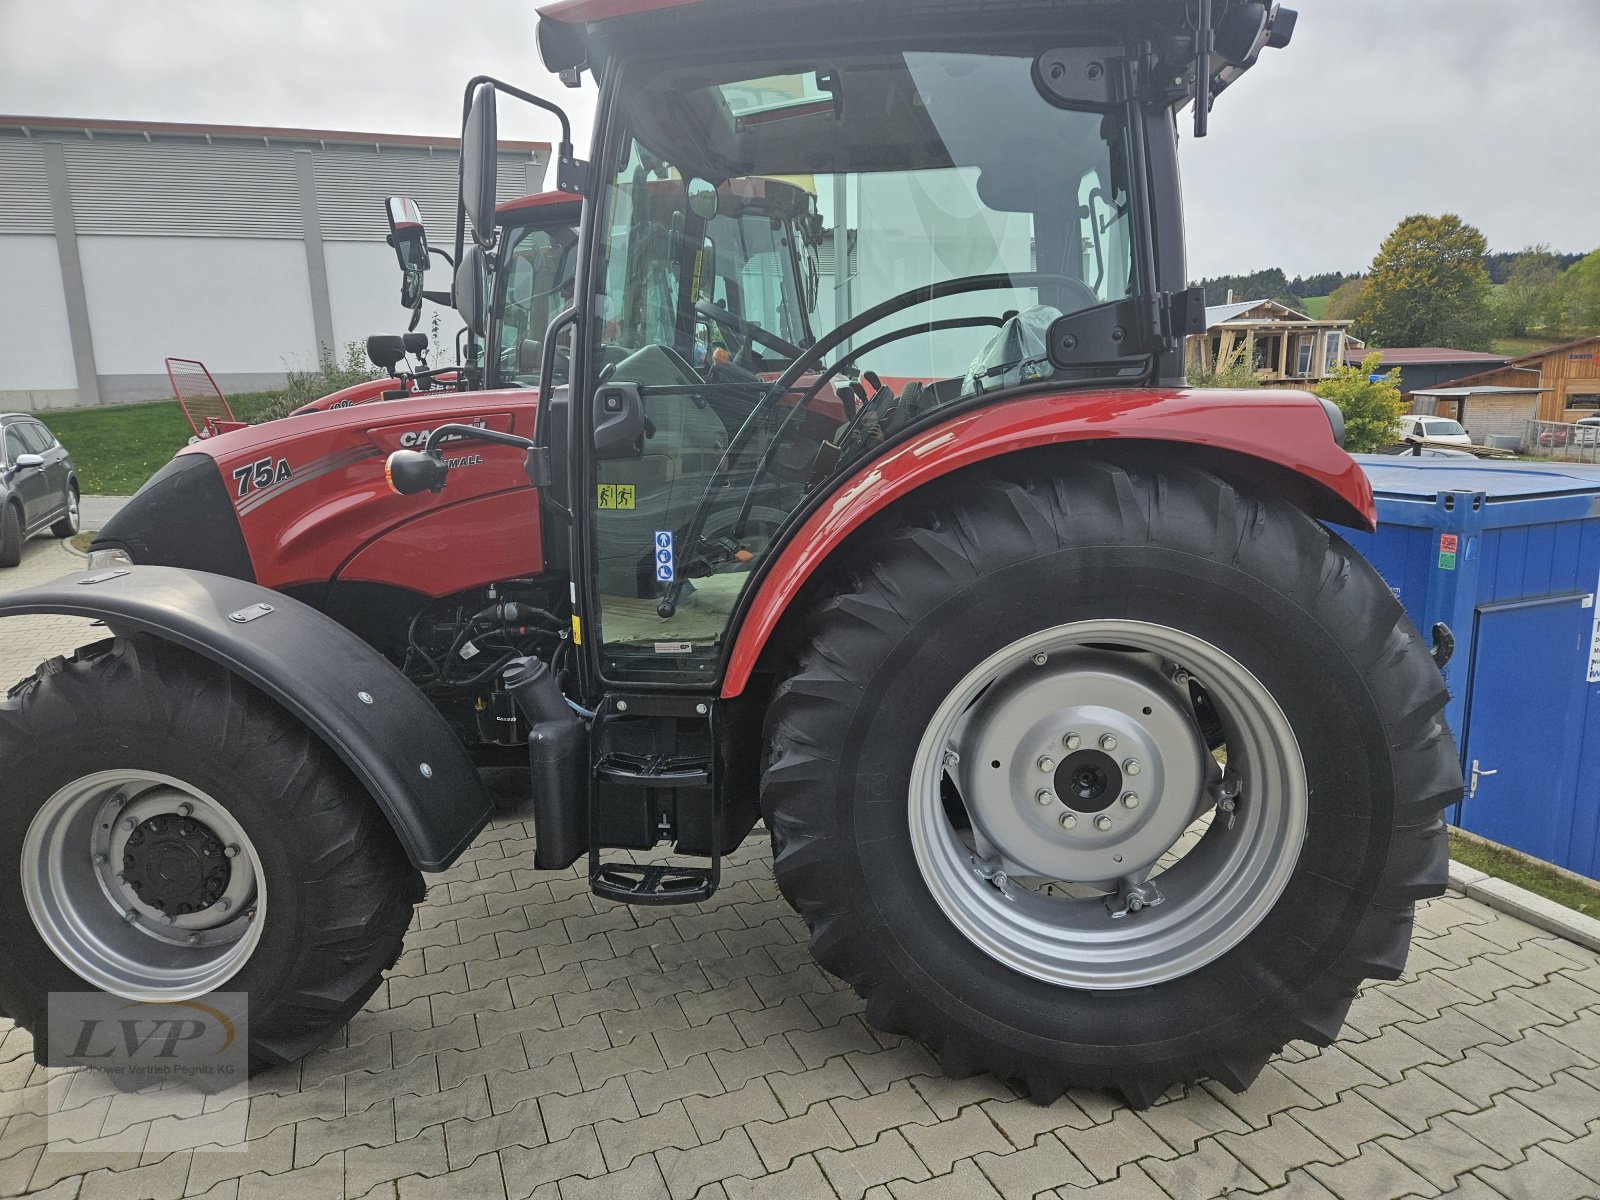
{"x": 748, "y": 330}
{"x": 809, "y": 359}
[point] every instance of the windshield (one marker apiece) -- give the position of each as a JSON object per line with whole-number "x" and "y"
{"x": 750, "y": 216}
{"x": 537, "y": 272}
{"x": 1443, "y": 428}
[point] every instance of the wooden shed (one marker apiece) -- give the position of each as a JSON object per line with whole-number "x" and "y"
{"x": 1285, "y": 347}
{"x": 1566, "y": 378}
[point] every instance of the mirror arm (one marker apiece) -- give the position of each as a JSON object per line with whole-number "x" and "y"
{"x": 444, "y": 254}
{"x": 445, "y": 298}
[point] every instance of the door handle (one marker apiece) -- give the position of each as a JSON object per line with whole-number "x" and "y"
{"x": 1477, "y": 774}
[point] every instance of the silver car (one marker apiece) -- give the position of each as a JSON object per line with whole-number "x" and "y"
{"x": 38, "y": 485}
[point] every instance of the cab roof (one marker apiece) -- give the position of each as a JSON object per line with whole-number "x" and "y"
{"x": 585, "y": 34}
{"x": 540, "y": 200}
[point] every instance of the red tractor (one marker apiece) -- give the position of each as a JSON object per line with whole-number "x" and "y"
{"x": 1089, "y": 754}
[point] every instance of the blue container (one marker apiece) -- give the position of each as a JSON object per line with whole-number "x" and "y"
{"x": 1508, "y": 556}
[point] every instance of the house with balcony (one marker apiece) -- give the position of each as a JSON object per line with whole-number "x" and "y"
{"x": 1286, "y": 348}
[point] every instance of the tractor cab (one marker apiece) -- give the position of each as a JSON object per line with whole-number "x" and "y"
{"x": 798, "y": 252}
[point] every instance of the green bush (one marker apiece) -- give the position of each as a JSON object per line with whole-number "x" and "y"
{"x": 1370, "y": 402}
{"x": 1229, "y": 371}
{"x": 332, "y": 375}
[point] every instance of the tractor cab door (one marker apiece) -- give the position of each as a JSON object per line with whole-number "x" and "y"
{"x": 782, "y": 282}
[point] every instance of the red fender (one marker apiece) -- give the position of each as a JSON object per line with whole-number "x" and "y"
{"x": 1280, "y": 438}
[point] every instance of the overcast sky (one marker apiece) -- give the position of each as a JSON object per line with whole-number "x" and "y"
{"x": 1381, "y": 107}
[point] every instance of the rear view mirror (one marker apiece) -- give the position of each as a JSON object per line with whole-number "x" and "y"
{"x": 479, "y": 162}
{"x": 703, "y": 200}
{"x": 472, "y": 289}
{"x": 410, "y": 242}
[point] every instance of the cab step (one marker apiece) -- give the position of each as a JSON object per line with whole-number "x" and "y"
{"x": 655, "y": 781}
{"x": 657, "y": 883}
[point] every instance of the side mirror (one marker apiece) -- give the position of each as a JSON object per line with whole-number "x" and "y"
{"x": 703, "y": 200}
{"x": 410, "y": 242}
{"x": 472, "y": 287}
{"x": 24, "y": 461}
{"x": 479, "y": 162}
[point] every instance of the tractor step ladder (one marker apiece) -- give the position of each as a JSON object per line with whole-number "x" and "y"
{"x": 656, "y": 773}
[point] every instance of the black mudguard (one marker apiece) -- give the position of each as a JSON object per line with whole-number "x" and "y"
{"x": 398, "y": 745}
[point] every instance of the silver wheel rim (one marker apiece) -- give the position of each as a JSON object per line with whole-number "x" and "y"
{"x": 72, "y": 508}
{"x": 1075, "y": 886}
{"x": 101, "y": 863}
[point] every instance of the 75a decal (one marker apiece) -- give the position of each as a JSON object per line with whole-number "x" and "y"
{"x": 260, "y": 474}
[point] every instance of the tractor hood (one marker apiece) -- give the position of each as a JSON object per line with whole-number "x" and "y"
{"x": 575, "y": 35}
{"x": 291, "y": 502}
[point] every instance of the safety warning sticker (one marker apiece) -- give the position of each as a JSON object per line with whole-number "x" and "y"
{"x": 665, "y": 565}
{"x": 1594, "y": 643}
{"x": 614, "y": 495}
{"x": 1447, "y": 551}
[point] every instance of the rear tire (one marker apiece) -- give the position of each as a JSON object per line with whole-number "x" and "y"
{"x": 68, "y": 525}
{"x": 150, "y": 725}
{"x": 10, "y": 535}
{"x": 997, "y": 563}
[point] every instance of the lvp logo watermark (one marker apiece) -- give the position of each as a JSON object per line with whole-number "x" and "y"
{"x": 183, "y": 1067}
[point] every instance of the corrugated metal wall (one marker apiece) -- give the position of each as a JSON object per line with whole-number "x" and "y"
{"x": 351, "y": 187}
{"x": 24, "y": 197}
{"x": 183, "y": 190}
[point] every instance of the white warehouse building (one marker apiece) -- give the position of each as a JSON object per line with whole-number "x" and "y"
{"x": 123, "y": 243}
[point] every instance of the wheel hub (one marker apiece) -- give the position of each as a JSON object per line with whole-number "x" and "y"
{"x": 1089, "y": 781}
{"x": 1109, "y": 808}
{"x": 176, "y": 864}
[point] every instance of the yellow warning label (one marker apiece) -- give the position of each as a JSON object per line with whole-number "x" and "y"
{"x": 614, "y": 495}
{"x": 577, "y": 630}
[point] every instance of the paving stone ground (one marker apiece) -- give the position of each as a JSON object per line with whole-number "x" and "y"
{"x": 534, "y": 1041}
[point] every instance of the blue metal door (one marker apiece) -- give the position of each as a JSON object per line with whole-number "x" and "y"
{"x": 1524, "y": 727}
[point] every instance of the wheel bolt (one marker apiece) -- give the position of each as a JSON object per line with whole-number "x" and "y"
{"x": 233, "y": 850}
{"x": 1047, "y": 764}
{"x": 951, "y": 758}
{"x": 100, "y": 860}
{"x": 121, "y": 878}
{"x": 1039, "y": 660}
{"x": 1068, "y": 821}
{"x": 118, "y": 800}
{"x": 1130, "y": 799}
{"x": 185, "y": 810}
{"x": 1108, "y": 743}
{"x": 225, "y": 904}
{"x": 131, "y": 916}
{"x": 193, "y": 939}
{"x": 129, "y": 824}
{"x": 1072, "y": 741}
{"x": 1102, "y": 823}
{"x": 1044, "y": 796}
{"x": 1131, "y": 767}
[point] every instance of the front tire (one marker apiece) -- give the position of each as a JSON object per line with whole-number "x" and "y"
{"x": 961, "y": 856}
{"x": 70, "y": 521}
{"x": 255, "y": 862}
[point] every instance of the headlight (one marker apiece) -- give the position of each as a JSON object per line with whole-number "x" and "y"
{"x": 110, "y": 556}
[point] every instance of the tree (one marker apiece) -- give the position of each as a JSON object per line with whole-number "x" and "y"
{"x": 1531, "y": 297}
{"x": 1428, "y": 287}
{"x": 1270, "y": 284}
{"x": 1346, "y": 299}
{"x": 1370, "y": 402}
{"x": 1580, "y": 295}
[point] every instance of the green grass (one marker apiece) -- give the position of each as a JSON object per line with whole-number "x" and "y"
{"x": 1518, "y": 347}
{"x": 1537, "y": 877}
{"x": 116, "y": 447}
{"x": 1316, "y": 307}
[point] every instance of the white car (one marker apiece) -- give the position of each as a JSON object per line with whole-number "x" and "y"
{"x": 1434, "y": 429}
